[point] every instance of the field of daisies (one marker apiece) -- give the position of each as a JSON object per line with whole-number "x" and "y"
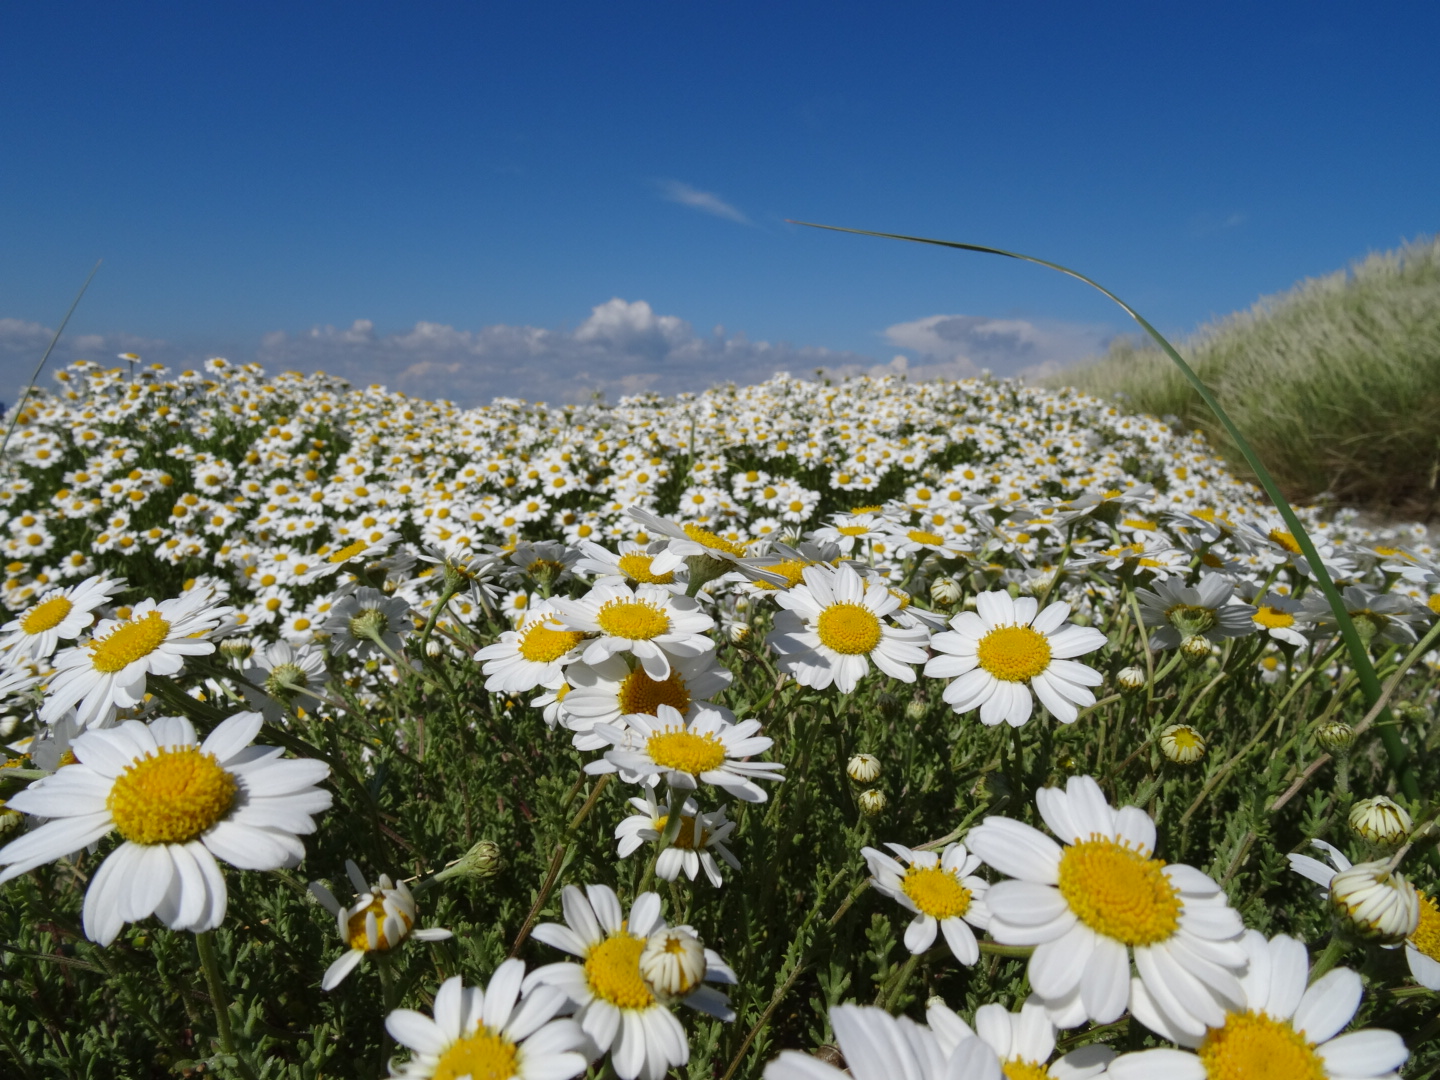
{"x": 941, "y": 731}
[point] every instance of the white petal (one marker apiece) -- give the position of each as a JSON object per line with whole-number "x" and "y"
{"x": 1328, "y": 1005}
{"x": 1364, "y": 1053}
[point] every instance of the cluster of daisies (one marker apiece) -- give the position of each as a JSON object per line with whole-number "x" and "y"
{"x": 591, "y": 562}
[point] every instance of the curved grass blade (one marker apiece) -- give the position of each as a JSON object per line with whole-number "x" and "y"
{"x": 1359, "y": 657}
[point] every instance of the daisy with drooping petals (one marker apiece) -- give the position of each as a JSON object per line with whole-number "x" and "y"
{"x": 1281, "y": 1027}
{"x": 1207, "y": 610}
{"x": 60, "y": 613}
{"x": 618, "y": 1008}
{"x": 1003, "y": 650}
{"x": 878, "y": 1046}
{"x": 706, "y": 749}
{"x": 534, "y": 654}
{"x": 1091, "y": 904}
{"x": 943, "y": 892}
{"x": 1023, "y": 1041}
{"x": 109, "y": 670}
{"x": 833, "y": 626}
{"x": 649, "y": 621}
{"x": 178, "y": 805}
{"x": 489, "y": 1033}
{"x": 383, "y": 916}
{"x": 690, "y": 850}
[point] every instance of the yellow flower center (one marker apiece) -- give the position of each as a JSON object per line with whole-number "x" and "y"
{"x": 46, "y": 615}
{"x": 685, "y": 838}
{"x": 171, "y": 796}
{"x": 853, "y": 530}
{"x": 1015, "y": 1069}
{"x": 710, "y": 540}
{"x": 1426, "y": 937}
{"x": 1118, "y": 892}
{"x": 920, "y": 536}
{"x": 848, "y": 628}
{"x": 1141, "y": 524}
{"x": 543, "y": 643}
{"x": 481, "y": 1056}
{"x": 612, "y": 969}
{"x": 1252, "y": 1046}
{"x": 1273, "y": 618}
{"x": 355, "y": 934}
{"x": 641, "y": 694}
{"x": 792, "y": 570}
{"x": 1285, "y": 540}
{"x": 936, "y": 892}
{"x": 348, "y": 552}
{"x": 1434, "y": 604}
{"x": 128, "y": 642}
{"x": 633, "y": 620}
{"x": 1014, "y": 653}
{"x": 636, "y": 566}
{"x": 685, "y": 751}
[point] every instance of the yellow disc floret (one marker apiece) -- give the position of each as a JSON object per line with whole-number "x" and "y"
{"x": 1252, "y": 1046}
{"x": 1014, "y": 653}
{"x": 1119, "y": 892}
{"x": 634, "y": 620}
{"x": 46, "y": 615}
{"x": 636, "y": 567}
{"x": 685, "y": 839}
{"x": 848, "y": 628}
{"x": 710, "y": 540}
{"x": 128, "y": 642}
{"x": 1285, "y": 540}
{"x": 936, "y": 891}
{"x": 1273, "y": 618}
{"x": 641, "y": 694}
{"x": 481, "y": 1056}
{"x": 171, "y": 796}
{"x": 1015, "y": 1069}
{"x": 348, "y": 552}
{"x": 543, "y": 642}
{"x": 920, "y": 536}
{"x": 1426, "y": 937}
{"x": 356, "y": 936}
{"x": 612, "y": 969}
{"x": 685, "y": 752}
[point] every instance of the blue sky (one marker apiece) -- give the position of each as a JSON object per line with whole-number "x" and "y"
{"x": 544, "y": 199}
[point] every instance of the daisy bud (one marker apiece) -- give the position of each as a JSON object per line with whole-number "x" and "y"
{"x": 945, "y": 592}
{"x": 888, "y": 704}
{"x": 873, "y": 802}
{"x": 1130, "y": 679}
{"x": 739, "y": 633}
{"x": 1195, "y": 649}
{"x": 672, "y": 963}
{"x": 481, "y": 861}
{"x": 1380, "y": 820}
{"x": 1374, "y": 903}
{"x": 433, "y": 649}
{"x": 915, "y": 709}
{"x": 1182, "y": 744}
{"x": 1335, "y": 735}
{"x": 863, "y": 768}
{"x": 237, "y": 649}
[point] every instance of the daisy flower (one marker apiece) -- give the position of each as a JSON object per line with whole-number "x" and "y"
{"x": 383, "y": 916}
{"x": 1281, "y": 618}
{"x": 109, "y": 670}
{"x": 1004, "y": 650}
{"x": 287, "y": 678}
{"x": 1280, "y": 1027}
{"x": 878, "y": 1046}
{"x": 1022, "y": 1041}
{"x": 178, "y": 805}
{"x": 690, "y": 849}
{"x": 534, "y": 654}
{"x": 1185, "y": 611}
{"x": 1102, "y": 897}
{"x": 617, "y": 1008}
{"x": 368, "y": 623}
{"x": 832, "y": 627}
{"x": 60, "y": 613}
{"x": 943, "y": 892}
{"x": 649, "y": 621}
{"x": 602, "y": 693}
{"x": 488, "y": 1033}
{"x": 706, "y": 749}
{"x": 636, "y": 563}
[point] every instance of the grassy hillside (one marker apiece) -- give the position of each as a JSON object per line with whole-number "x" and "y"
{"x": 1336, "y": 382}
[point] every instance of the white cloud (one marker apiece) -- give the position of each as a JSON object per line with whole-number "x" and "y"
{"x": 705, "y": 201}
{"x": 961, "y": 346}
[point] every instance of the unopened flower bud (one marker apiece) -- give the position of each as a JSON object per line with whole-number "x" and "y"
{"x": 873, "y": 802}
{"x": 481, "y": 861}
{"x": 672, "y": 963}
{"x": 863, "y": 768}
{"x": 945, "y": 592}
{"x": 433, "y": 649}
{"x": 1374, "y": 903}
{"x": 1182, "y": 744}
{"x": 993, "y": 787}
{"x": 739, "y": 632}
{"x": 1335, "y": 735}
{"x": 888, "y": 704}
{"x": 1130, "y": 679}
{"x": 237, "y": 649}
{"x": 1380, "y": 820}
{"x": 915, "y": 709}
{"x": 1195, "y": 649}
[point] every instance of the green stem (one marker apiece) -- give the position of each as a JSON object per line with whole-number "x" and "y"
{"x": 219, "y": 999}
{"x": 1334, "y": 950}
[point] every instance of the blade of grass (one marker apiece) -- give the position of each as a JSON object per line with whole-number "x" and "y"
{"x": 1359, "y": 658}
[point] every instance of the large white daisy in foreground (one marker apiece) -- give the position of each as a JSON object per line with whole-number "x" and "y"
{"x": 1280, "y": 1028}
{"x": 943, "y": 892}
{"x": 833, "y": 627}
{"x": 878, "y": 1046}
{"x": 1003, "y": 650}
{"x": 110, "y": 669}
{"x": 1087, "y": 906}
{"x": 621, "y": 1006}
{"x": 179, "y": 804}
{"x": 486, "y": 1033}
{"x": 1024, "y": 1041}
{"x": 648, "y": 621}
